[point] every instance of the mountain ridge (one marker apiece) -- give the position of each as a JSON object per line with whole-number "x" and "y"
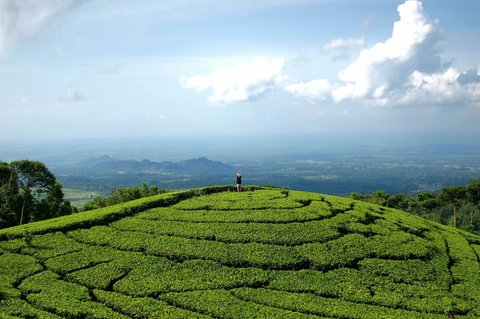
{"x": 200, "y": 165}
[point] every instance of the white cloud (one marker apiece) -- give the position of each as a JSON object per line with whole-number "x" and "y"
{"x": 316, "y": 89}
{"x": 387, "y": 65}
{"x": 243, "y": 82}
{"x": 405, "y": 69}
{"x": 22, "y": 19}
{"x": 344, "y": 44}
{"x": 442, "y": 88}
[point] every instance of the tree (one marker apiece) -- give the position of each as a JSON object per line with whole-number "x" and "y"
{"x": 379, "y": 197}
{"x": 52, "y": 204}
{"x": 33, "y": 191}
{"x": 34, "y": 179}
{"x": 427, "y": 204}
{"x": 473, "y": 194}
{"x": 121, "y": 195}
{"x": 402, "y": 202}
{"x": 9, "y": 197}
{"x": 96, "y": 203}
{"x": 453, "y": 195}
{"x": 357, "y": 196}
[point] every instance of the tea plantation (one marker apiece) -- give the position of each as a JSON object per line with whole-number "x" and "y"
{"x": 262, "y": 253}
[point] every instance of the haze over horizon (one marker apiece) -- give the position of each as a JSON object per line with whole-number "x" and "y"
{"x": 103, "y": 69}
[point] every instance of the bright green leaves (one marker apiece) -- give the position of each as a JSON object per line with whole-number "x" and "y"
{"x": 187, "y": 276}
{"x": 257, "y": 254}
{"x": 321, "y": 306}
{"x": 143, "y": 307}
{"x": 222, "y": 304}
{"x": 276, "y": 233}
{"x": 48, "y": 292}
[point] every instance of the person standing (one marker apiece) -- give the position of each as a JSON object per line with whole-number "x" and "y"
{"x": 239, "y": 181}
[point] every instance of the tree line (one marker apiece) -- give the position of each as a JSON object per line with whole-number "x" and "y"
{"x": 457, "y": 206}
{"x": 121, "y": 195}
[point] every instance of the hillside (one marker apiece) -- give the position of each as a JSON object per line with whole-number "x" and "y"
{"x": 262, "y": 253}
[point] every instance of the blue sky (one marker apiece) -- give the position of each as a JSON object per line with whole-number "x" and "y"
{"x": 104, "y": 68}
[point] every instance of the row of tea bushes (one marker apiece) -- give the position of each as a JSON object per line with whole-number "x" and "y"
{"x": 176, "y": 248}
{"x": 313, "y": 211}
{"x": 277, "y": 234}
{"x": 222, "y": 304}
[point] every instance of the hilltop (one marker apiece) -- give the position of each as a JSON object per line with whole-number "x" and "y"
{"x": 262, "y": 253}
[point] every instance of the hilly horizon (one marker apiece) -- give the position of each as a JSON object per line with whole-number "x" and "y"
{"x": 262, "y": 253}
{"x": 107, "y": 164}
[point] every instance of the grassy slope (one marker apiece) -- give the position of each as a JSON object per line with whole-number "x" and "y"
{"x": 265, "y": 253}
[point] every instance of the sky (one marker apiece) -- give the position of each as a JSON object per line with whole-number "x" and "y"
{"x": 121, "y": 68}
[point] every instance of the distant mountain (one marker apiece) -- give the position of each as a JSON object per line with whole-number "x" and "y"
{"x": 196, "y": 166}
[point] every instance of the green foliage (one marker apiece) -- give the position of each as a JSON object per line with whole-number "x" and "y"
{"x": 10, "y": 201}
{"x": 263, "y": 253}
{"x": 122, "y": 195}
{"x": 336, "y": 253}
{"x": 321, "y": 306}
{"x": 50, "y": 245}
{"x": 280, "y": 234}
{"x": 17, "y": 308}
{"x": 222, "y": 304}
{"x": 453, "y": 205}
{"x": 240, "y": 255}
{"x": 143, "y": 307}
{"x": 102, "y": 275}
{"x": 87, "y": 257}
{"x": 161, "y": 277}
{"x": 29, "y": 192}
{"x": 46, "y": 290}
{"x": 276, "y": 199}
{"x": 315, "y": 211}
{"x": 17, "y": 266}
